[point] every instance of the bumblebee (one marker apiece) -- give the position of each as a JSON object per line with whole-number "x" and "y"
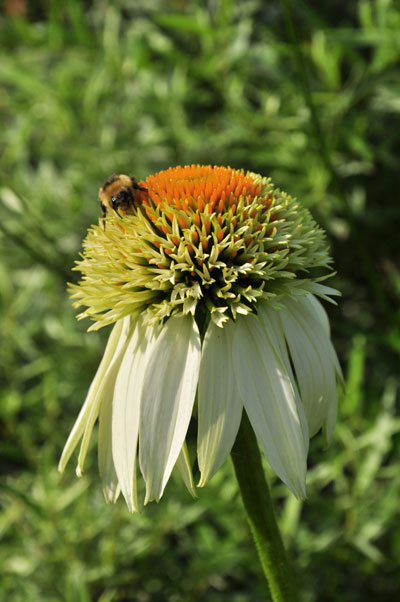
{"x": 119, "y": 192}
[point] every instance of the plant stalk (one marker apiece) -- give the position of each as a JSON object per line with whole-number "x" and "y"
{"x": 260, "y": 513}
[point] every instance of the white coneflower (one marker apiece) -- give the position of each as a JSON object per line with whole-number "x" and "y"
{"x": 210, "y": 283}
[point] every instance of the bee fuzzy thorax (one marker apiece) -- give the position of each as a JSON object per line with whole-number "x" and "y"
{"x": 120, "y": 193}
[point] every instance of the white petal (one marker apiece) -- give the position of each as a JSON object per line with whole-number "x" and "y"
{"x": 320, "y": 313}
{"x": 269, "y": 400}
{"x": 168, "y": 395}
{"x": 323, "y": 316}
{"x": 126, "y": 411}
{"x": 314, "y": 361}
{"x": 111, "y": 488}
{"x": 185, "y": 470}
{"x": 104, "y": 392}
{"x": 271, "y": 323}
{"x": 219, "y": 404}
{"x": 81, "y": 421}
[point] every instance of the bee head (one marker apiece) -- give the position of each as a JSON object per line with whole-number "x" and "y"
{"x": 122, "y": 198}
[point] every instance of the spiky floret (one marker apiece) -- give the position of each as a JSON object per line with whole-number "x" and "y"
{"x": 209, "y": 238}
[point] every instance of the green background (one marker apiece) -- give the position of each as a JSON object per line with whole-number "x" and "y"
{"x": 307, "y": 93}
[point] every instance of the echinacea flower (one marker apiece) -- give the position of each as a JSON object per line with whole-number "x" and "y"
{"x": 211, "y": 282}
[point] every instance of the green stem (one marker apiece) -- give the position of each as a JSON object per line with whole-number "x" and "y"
{"x": 260, "y": 513}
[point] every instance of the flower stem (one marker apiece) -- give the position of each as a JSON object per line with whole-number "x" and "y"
{"x": 260, "y": 513}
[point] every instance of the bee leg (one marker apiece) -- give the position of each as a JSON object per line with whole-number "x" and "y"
{"x": 103, "y": 209}
{"x": 136, "y": 185}
{"x": 104, "y": 212}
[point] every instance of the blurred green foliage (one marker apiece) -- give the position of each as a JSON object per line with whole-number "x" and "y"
{"x": 305, "y": 92}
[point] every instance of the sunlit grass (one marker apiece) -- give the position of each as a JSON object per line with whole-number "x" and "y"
{"x": 85, "y": 93}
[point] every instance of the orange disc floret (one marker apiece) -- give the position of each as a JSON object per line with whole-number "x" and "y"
{"x": 201, "y": 187}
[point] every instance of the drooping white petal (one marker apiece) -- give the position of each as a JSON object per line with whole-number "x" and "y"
{"x": 185, "y": 470}
{"x": 81, "y": 421}
{"x": 269, "y": 401}
{"x": 320, "y": 313}
{"x": 169, "y": 390}
{"x": 271, "y": 323}
{"x": 219, "y": 403}
{"x": 126, "y": 410}
{"x": 323, "y": 316}
{"x": 104, "y": 392}
{"x": 314, "y": 361}
{"x": 111, "y": 488}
